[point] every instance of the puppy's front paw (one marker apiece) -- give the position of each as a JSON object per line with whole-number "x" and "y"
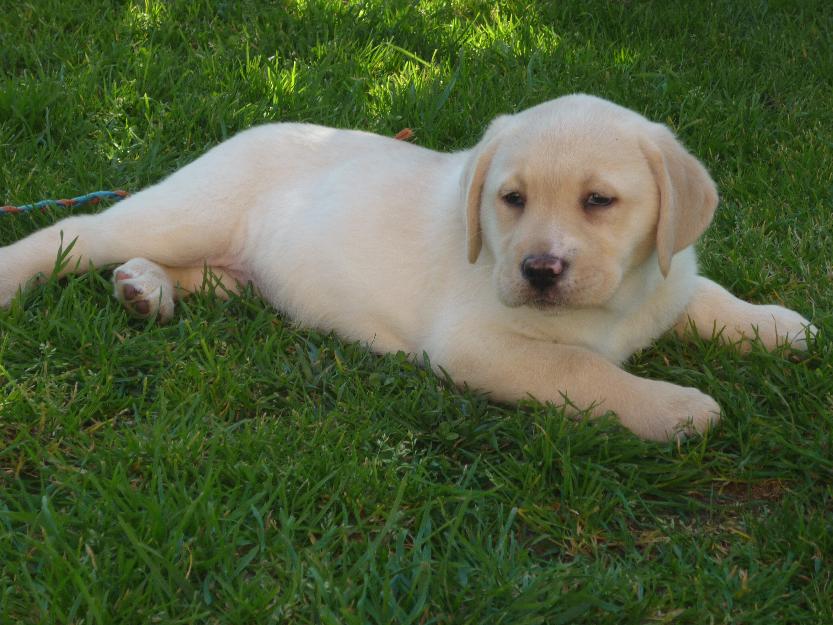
{"x": 777, "y": 326}
{"x": 690, "y": 412}
{"x": 670, "y": 412}
{"x": 145, "y": 289}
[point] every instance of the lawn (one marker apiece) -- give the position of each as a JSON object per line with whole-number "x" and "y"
{"x": 229, "y": 468}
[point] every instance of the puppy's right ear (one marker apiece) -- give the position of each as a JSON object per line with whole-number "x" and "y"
{"x": 474, "y": 176}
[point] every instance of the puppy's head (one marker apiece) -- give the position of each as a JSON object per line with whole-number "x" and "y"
{"x": 571, "y": 195}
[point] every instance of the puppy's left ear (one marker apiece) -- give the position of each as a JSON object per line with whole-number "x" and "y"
{"x": 687, "y": 194}
{"x": 474, "y": 176}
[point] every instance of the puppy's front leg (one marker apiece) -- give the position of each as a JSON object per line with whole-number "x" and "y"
{"x": 513, "y": 367}
{"x": 713, "y": 310}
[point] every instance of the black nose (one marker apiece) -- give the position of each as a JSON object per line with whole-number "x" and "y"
{"x": 543, "y": 270}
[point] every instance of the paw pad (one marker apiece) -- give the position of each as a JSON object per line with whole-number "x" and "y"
{"x": 144, "y": 288}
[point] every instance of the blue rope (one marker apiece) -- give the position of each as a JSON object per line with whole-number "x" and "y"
{"x": 89, "y": 198}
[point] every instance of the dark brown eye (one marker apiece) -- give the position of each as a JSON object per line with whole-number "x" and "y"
{"x": 597, "y": 200}
{"x": 514, "y": 199}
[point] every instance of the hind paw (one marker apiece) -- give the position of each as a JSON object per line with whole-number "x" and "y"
{"x": 145, "y": 289}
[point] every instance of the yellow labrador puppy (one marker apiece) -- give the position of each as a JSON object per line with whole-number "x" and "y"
{"x": 532, "y": 264}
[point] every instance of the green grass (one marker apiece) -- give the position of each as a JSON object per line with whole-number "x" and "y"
{"x": 228, "y": 468}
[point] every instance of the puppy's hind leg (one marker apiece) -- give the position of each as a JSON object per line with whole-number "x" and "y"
{"x": 192, "y": 218}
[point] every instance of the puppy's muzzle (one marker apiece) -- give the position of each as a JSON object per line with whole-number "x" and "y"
{"x": 543, "y": 271}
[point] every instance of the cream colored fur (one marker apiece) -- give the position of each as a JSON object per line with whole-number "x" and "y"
{"x": 414, "y": 250}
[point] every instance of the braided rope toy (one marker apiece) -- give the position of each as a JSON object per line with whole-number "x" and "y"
{"x": 95, "y": 197}
{"x": 89, "y": 198}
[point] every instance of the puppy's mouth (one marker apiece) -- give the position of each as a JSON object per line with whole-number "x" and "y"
{"x": 549, "y": 301}
{"x": 552, "y": 300}
{"x": 569, "y": 292}
{"x": 555, "y": 300}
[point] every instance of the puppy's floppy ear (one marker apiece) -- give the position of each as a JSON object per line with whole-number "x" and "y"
{"x": 474, "y": 175}
{"x": 687, "y": 194}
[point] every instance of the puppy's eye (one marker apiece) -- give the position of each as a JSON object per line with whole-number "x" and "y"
{"x": 515, "y": 199}
{"x": 597, "y": 200}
